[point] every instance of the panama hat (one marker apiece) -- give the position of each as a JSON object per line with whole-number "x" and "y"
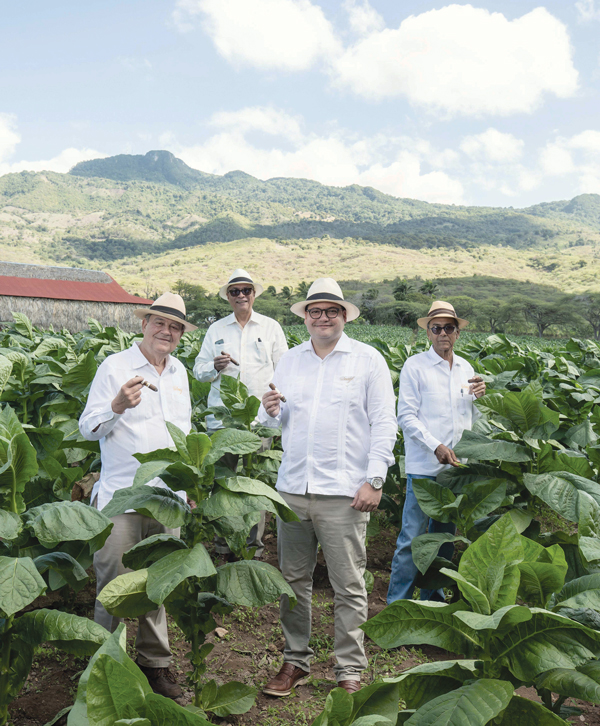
{"x": 240, "y": 276}
{"x": 170, "y": 306}
{"x": 326, "y": 289}
{"x": 441, "y": 309}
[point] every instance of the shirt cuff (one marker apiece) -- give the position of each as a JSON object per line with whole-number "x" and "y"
{"x": 375, "y": 468}
{"x": 431, "y": 442}
{"x": 101, "y": 419}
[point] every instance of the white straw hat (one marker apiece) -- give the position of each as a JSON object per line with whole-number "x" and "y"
{"x": 441, "y": 309}
{"x": 238, "y": 277}
{"x": 326, "y": 289}
{"x": 170, "y": 306}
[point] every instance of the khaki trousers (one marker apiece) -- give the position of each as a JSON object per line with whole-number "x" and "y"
{"x": 152, "y": 641}
{"x": 340, "y": 530}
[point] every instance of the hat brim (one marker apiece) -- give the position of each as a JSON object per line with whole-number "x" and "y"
{"x": 422, "y": 322}
{"x": 352, "y": 312}
{"x": 142, "y": 312}
{"x": 258, "y": 289}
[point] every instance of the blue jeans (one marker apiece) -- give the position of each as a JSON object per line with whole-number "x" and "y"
{"x": 414, "y": 523}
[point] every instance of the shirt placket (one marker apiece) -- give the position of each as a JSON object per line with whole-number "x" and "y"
{"x": 312, "y": 424}
{"x": 455, "y": 402}
{"x": 243, "y": 353}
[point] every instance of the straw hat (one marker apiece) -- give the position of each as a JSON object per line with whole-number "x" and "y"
{"x": 170, "y": 306}
{"x": 326, "y": 289}
{"x": 238, "y": 277}
{"x": 441, "y": 309}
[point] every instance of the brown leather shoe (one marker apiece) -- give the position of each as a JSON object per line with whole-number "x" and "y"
{"x": 161, "y": 681}
{"x": 350, "y": 686}
{"x": 288, "y": 677}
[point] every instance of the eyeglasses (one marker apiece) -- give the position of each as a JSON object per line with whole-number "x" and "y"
{"x": 448, "y": 329}
{"x": 235, "y": 291}
{"x": 315, "y": 313}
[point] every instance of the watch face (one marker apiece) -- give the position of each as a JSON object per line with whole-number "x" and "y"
{"x": 377, "y": 482}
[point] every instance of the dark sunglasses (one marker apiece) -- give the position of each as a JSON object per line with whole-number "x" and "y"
{"x": 235, "y": 291}
{"x": 316, "y": 313}
{"x": 448, "y": 329}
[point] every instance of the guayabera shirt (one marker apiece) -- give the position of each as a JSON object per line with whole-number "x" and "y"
{"x": 434, "y": 407}
{"x": 138, "y": 430}
{"x": 257, "y": 347}
{"x": 338, "y": 422}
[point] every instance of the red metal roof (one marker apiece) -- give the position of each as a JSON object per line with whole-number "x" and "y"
{"x": 68, "y": 290}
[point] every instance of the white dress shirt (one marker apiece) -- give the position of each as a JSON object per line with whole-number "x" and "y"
{"x": 434, "y": 407}
{"x": 338, "y": 422}
{"x": 257, "y": 347}
{"x": 138, "y": 430}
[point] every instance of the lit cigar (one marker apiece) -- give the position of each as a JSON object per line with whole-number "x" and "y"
{"x": 235, "y": 363}
{"x": 151, "y": 386}
{"x": 273, "y": 388}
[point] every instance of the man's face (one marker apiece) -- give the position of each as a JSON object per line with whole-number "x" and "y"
{"x": 443, "y": 342}
{"x": 241, "y": 297}
{"x": 161, "y": 335}
{"x": 324, "y": 329}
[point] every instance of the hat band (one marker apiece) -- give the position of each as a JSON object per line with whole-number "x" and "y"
{"x": 324, "y": 296}
{"x": 441, "y": 311}
{"x": 167, "y": 311}
{"x": 240, "y": 279}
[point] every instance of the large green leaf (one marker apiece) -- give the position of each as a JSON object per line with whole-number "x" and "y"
{"x": 582, "y": 435}
{"x": 546, "y": 641}
{"x": 179, "y": 440}
{"x": 151, "y": 549}
{"x": 18, "y": 461}
{"x": 5, "y": 371}
{"x": 425, "y": 547}
{"x": 198, "y": 446}
{"x": 408, "y": 622}
{"x": 582, "y": 682}
{"x": 430, "y": 680}
{"x": 244, "y": 485}
{"x": 378, "y": 699}
{"x": 232, "y": 697}
{"x": 159, "y": 503}
{"x": 472, "y": 705}
{"x": 79, "y": 377}
{"x": 491, "y": 563}
{"x": 232, "y": 441}
{"x": 71, "y": 633}
{"x": 560, "y": 491}
{"x": 68, "y": 521}
{"x": 149, "y": 470}
{"x": 583, "y": 592}
{"x": 65, "y": 565}
{"x": 113, "y": 689}
{"x": 539, "y": 579}
{"x": 433, "y": 498}
{"x": 501, "y": 620}
{"x": 233, "y": 504}
{"x": 162, "y": 711}
{"x": 165, "y": 574}
{"x": 10, "y": 525}
{"x": 589, "y": 527}
{"x": 481, "y": 498}
{"x": 252, "y": 583}
{"x": 477, "y": 446}
{"x": 20, "y": 584}
{"x": 125, "y": 596}
{"x": 477, "y": 599}
{"x": 525, "y": 712}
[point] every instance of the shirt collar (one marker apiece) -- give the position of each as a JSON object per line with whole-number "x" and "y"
{"x": 139, "y": 360}
{"x": 230, "y": 319}
{"x": 434, "y": 358}
{"x": 344, "y": 345}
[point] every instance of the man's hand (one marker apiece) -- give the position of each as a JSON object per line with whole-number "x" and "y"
{"x": 271, "y": 401}
{"x": 477, "y": 387}
{"x": 221, "y": 361}
{"x": 446, "y": 456}
{"x": 128, "y": 396}
{"x": 366, "y": 498}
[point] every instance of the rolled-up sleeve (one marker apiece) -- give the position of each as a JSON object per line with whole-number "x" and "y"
{"x": 409, "y": 404}
{"x": 380, "y": 411}
{"x": 204, "y": 365}
{"x": 98, "y": 419}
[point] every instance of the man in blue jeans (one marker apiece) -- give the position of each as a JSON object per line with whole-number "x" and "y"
{"x": 435, "y": 406}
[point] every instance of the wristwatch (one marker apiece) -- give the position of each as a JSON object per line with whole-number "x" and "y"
{"x": 376, "y": 482}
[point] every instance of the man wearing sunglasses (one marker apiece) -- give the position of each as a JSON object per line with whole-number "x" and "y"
{"x": 339, "y": 431}
{"x": 247, "y": 345}
{"x": 435, "y": 406}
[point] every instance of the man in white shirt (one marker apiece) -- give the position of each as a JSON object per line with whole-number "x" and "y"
{"x": 247, "y": 345}
{"x": 339, "y": 431}
{"x": 128, "y": 418}
{"x": 435, "y": 406}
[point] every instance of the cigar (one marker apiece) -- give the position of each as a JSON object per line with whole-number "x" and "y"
{"x": 235, "y": 363}
{"x": 273, "y": 388}
{"x": 151, "y": 386}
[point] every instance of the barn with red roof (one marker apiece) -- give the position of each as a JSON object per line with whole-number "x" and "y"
{"x": 65, "y": 297}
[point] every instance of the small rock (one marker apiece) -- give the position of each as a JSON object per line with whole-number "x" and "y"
{"x": 221, "y": 632}
{"x": 272, "y": 648}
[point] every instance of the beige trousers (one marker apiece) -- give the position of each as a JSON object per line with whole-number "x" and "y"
{"x": 152, "y": 641}
{"x": 340, "y": 530}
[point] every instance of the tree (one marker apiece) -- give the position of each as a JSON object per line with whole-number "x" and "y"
{"x": 367, "y": 304}
{"x": 402, "y": 290}
{"x": 589, "y": 309}
{"x": 407, "y": 313}
{"x": 545, "y": 314}
{"x": 429, "y": 287}
{"x": 464, "y": 305}
{"x": 302, "y": 289}
{"x": 492, "y": 313}
{"x": 286, "y": 293}
{"x": 189, "y": 291}
{"x": 271, "y": 290}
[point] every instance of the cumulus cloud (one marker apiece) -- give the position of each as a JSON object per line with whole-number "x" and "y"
{"x": 463, "y": 60}
{"x": 287, "y": 35}
{"x": 586, "y": 10}
{"x": 363, "y": 18}
{"x": 397, "y": 166}
{"x": 493, "y": 145}
{"x": 577, "y": 157}
{"x": 9, "y": 138}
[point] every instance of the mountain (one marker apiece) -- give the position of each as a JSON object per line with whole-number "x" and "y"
{"x": 151, "y": 219}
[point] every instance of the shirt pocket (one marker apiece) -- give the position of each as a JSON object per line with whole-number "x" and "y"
{"x": 347, "y": 390}
{"x": 261, "y": 354}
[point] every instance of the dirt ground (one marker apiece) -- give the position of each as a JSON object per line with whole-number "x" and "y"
{"x": 249, "y": 652}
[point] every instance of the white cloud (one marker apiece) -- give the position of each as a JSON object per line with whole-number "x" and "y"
{"x": 587, "y": 140}
{"x": 362, "y": 17}
{"x": 493, "y": 145}
{"x": 9, "y": 138}
{"x": 586, "y": 10}
{"x": 287, "y": 35}
{"x": 556, "y": 160}
{"x": 259, "y": 118}
{"x": 464, "y": 60}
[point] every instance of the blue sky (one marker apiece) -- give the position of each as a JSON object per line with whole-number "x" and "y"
{"x": 494, "y": 103}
